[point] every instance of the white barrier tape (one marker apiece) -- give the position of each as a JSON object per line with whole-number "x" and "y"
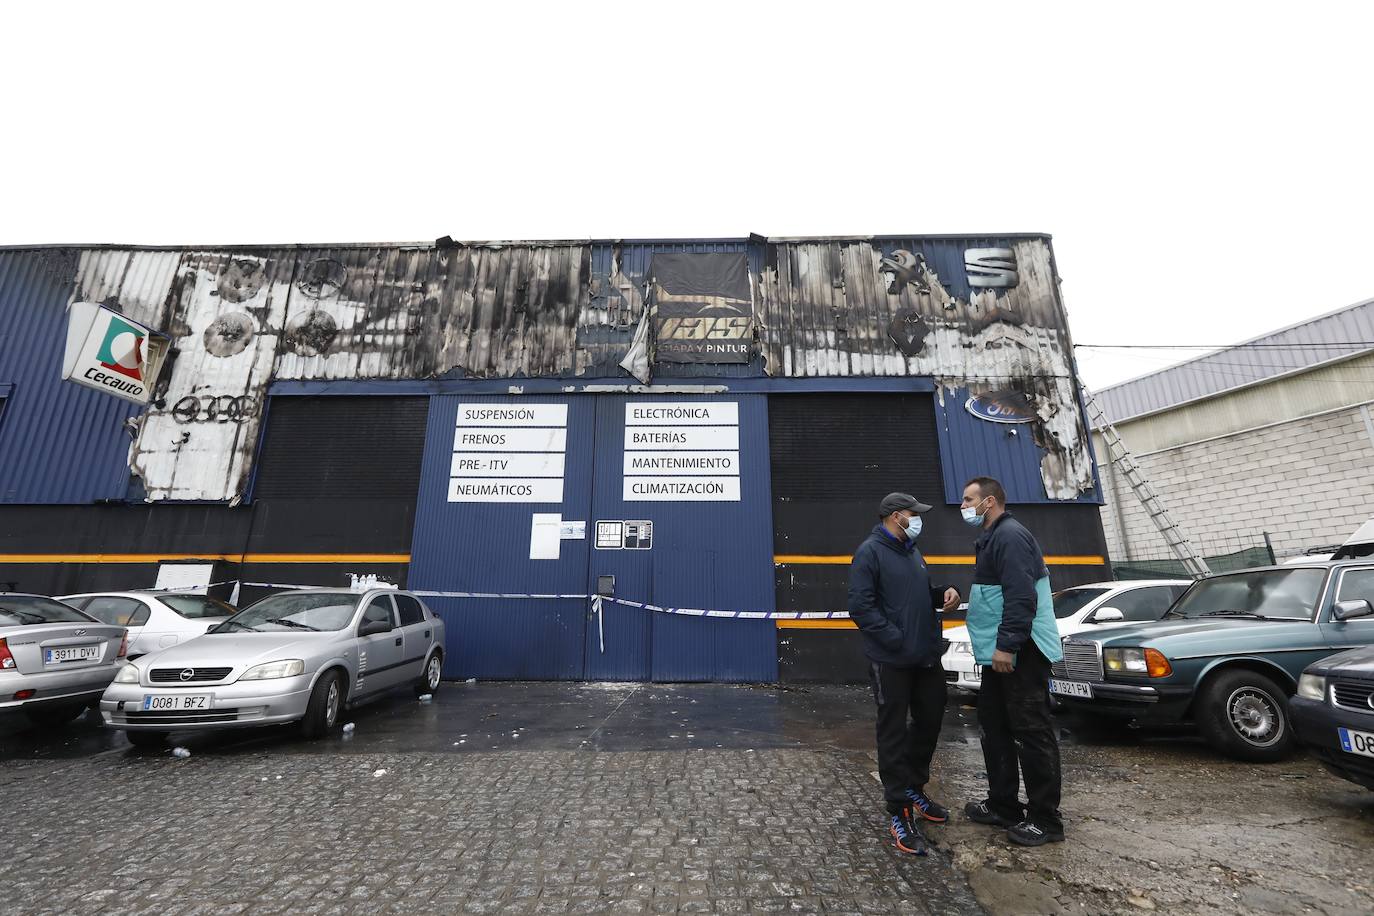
{"x": 597, "y": 601}
{"x": 191, "y": 589}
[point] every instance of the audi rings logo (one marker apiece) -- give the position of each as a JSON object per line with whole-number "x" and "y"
{"x": 81, "y": 632}
{"x": 187, "y": 673}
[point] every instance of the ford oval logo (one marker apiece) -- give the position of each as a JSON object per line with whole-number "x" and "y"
{"x": 188, "y": 673}
{"x": 993, "y": 412}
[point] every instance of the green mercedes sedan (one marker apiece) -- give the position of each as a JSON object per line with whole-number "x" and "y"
{"x": 1226, "y": 656}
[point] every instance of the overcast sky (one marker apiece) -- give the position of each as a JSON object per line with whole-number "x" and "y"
{"x": 1203, "y": 168}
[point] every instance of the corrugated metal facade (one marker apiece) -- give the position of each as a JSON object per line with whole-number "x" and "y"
{"x": 59, "y": 443}
{"x": 1339, "y": 334}
{"x": 238, "y": 318}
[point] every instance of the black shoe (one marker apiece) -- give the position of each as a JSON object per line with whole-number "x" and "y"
{"x": 923, "y": 806}
{"x": 980, "y": 813}
{"x": 906, "y": 836}
{"x": 1028, "y": 834}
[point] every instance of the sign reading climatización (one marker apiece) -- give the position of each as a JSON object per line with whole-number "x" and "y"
{"x": 682, "y": 452}
{"x": 509, "y": 453}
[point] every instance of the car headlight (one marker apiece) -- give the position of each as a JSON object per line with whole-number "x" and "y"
{"x": 127, "y": 674}
{"x": 961, "y": 648}
{"x": 1131, "y": 661}
{"x": 1137, "y": 661}
{"x": 288, "y": 668}
{"x": 1312, "y": 686}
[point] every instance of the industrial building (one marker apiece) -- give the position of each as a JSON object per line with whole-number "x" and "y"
{"x": 1261, "y": 451}
{"x": 514, "y": 427}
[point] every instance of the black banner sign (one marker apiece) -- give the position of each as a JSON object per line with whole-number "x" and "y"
{"x": 703, "y": 307}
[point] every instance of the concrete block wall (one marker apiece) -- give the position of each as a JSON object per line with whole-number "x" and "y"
{"x": 1308, "y": 482}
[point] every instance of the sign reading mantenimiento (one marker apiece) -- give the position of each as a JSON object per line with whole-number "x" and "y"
{"x": 111, "y": 353}
{"x": 703, "y": 308}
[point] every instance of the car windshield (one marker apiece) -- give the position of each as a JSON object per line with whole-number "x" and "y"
{"x": 294, "y": 611}
{"x": 1072, "y": 600}
{"x": 22, "y": 610}
{"x": 198, "y": 607}
{"x": 1286, "y": 593}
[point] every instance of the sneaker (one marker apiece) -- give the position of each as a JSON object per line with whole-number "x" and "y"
{"x": 906, "y": 836}
{"x": 925, "y": 807}
{"x": 1028, "y": 834}
{"x": 980, "y": 813}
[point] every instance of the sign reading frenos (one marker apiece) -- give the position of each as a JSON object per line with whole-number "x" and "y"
{"x": 111, "y": 353}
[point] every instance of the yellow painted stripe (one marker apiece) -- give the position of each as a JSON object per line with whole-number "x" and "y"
{"x": 789, "y": 559}
{"x": 841, "y": 624}
{"x": 231, "y": 557}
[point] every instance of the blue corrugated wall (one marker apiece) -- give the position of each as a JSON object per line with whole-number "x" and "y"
{"x": 59, "y": 442}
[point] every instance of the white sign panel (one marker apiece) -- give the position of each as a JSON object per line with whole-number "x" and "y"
{"x": 512, "y": 414}
{"x": 110, "y": 353}
{"x": 545, "y": 542}
{"x": 609, "y": 535}
{"x": 678, "y": 438}
{"x": 681, "y": 489}
{"x": 681, "y": 463}
{"x": 507, "y": 464}
{"x": 468, "y": 439}
{"x": 488, "y": 490}
{"x": 698, "y": 413}
{"x": 184, "y": 577}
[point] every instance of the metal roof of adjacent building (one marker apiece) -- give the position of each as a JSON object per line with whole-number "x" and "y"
{"x": 1335, "y": 336}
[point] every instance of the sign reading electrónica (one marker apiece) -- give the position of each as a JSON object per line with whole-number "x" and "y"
{"x": 111, "y": 353}
{"x": 681, "y": 452}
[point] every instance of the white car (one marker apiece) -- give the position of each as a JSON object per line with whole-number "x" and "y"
{"x": 1083, "y": 607}
{"x": 155, "y": 620}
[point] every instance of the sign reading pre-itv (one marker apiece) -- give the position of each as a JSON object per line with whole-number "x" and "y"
{"x": 509, "y": 453}
{"x": 111, "y": 353}
{"x": 682, "y": 452}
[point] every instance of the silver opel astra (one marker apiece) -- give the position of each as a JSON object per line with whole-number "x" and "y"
{"x": 300, "y": 656}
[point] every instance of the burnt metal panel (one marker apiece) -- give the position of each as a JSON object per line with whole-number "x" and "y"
{"x": 1336, "y": 335}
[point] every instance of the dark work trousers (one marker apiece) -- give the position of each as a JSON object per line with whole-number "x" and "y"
{"x": 911, "y": 708}
{"x": 1017, "y": 729}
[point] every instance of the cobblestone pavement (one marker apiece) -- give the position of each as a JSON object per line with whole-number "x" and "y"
{"x": 361, "y": 825}
{"x": 529, "y": 798}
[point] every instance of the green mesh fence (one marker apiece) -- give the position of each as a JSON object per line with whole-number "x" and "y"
{"x": 1173, "y": 569}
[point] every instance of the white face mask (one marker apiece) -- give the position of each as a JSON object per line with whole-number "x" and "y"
{"x": 913, "y": 527}
{"x": 971, "y": 516}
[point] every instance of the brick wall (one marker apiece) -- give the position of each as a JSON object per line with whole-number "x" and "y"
{"x": 1307, "y": 482}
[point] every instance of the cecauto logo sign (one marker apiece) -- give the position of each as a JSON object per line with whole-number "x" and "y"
{"x": 110, "y": 353}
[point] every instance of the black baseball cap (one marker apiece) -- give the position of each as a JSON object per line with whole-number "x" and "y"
{"x": 894, "y": 501}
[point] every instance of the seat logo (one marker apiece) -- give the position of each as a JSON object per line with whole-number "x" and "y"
{"x": 188, "y": 673}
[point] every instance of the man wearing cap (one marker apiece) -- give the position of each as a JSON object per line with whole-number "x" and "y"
{"x": 892, "y": 601}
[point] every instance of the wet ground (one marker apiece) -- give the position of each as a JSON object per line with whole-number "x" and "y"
{"x": 499, "y": 797}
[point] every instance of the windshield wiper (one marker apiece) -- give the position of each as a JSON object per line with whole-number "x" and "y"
{"x": 1251, "y": 614}
{"x": 234, "y": 623}
{"x": 292, "y": 623}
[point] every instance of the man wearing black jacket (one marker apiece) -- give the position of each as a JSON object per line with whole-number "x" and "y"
{"x": 893, "y": 603}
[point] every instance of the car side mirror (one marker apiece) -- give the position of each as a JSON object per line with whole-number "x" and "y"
{"x": 1355, "y": 607}
{"x": 1108, "y": 615}
{"x": 373, "y": 627}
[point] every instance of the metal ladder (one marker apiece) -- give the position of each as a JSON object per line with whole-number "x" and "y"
{"x": 1120, "y": 457}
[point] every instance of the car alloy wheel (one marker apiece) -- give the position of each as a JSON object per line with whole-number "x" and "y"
{"x": 433, "y": 672}
{"x": 331, "y": 705}
{"x": 1255, "y": 716}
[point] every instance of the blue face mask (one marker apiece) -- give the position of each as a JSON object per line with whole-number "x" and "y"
{"x": 971, "y": 516}
{"x": 913, "y": 527}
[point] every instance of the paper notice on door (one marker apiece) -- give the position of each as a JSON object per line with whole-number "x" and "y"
{"x": 573, "y": 531}
{"x": 545, "y": 535}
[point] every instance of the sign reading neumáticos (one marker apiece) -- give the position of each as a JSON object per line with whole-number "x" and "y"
{"x": 703, "y": 308}
{"x": 110, "y": 353}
